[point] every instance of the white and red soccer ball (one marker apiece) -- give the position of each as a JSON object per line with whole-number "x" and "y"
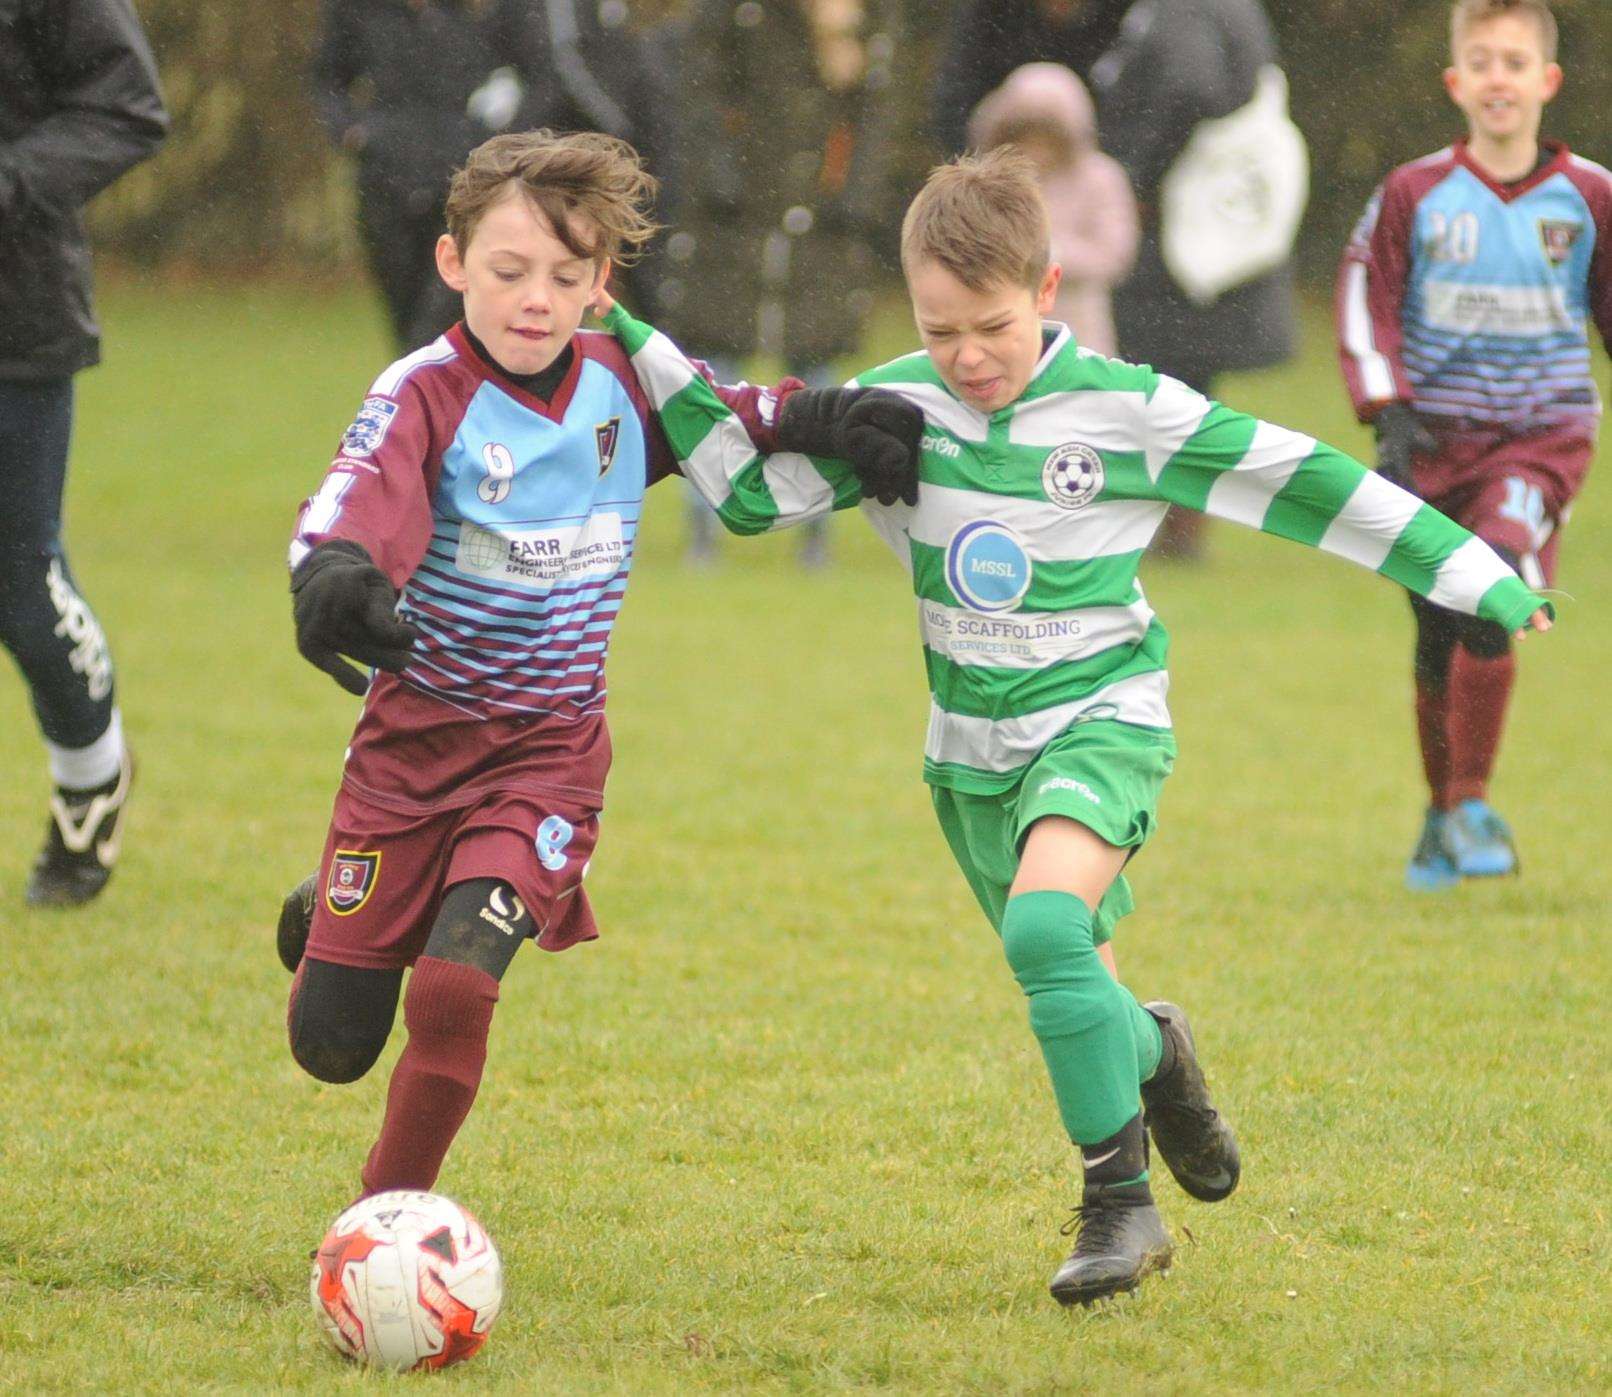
{"x": 407, "y": 1280}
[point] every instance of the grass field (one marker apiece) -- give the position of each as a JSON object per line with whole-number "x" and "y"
{"x": 784, "y": 1128}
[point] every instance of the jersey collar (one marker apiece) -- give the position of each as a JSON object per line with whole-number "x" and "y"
{"x": 1507, "y": 192}
{"x": 1055, "y": 338}
{"x": 554, "y": 409}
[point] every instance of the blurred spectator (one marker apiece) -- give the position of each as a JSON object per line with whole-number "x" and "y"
{"x": 79, "y": 106}
{"x": 1044, "y": 110}
{"x": 783, "y": 145}
{"x": 1159, "y": 70}
{"x": 990, "y": 38}
{"x": 412, "y": 86}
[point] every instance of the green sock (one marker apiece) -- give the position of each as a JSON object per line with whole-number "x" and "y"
{"x": 1148, "y": 1037}
{"x": 1098, "y": 1042}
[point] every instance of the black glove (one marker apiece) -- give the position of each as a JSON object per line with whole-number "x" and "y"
{"x": 1400, "y": 434}
{"x": 873, "y": 429}
{"x": 343, "y": 605}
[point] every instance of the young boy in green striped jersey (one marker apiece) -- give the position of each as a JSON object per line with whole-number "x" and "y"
{"x": 1044, "y": 470}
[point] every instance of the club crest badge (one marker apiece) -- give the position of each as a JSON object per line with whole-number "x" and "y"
{"x": 1073, "y": 475}
{"x": 1558, "y": 237}
{"x": 369, "y": 427}
{"x": 353, "y": 876}
{"x": 606, "y": 435}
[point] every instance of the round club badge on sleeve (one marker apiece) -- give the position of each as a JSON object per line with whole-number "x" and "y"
{"x": 1072, "y": 475}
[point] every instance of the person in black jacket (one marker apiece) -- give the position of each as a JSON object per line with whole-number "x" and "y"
{"x": 990, "y": 38}
{"x": 79, "y": 104}
{"x": 1157, "y": 69}
{"x": 410, "y": 87}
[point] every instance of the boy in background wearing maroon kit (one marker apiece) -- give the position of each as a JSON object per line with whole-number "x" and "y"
{"x": 1463, "y": 302}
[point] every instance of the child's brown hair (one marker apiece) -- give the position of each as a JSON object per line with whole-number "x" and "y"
{"x": 1466, "y": 13}
{"x": 595, "y": 176}
{"x": 981, "y": 218}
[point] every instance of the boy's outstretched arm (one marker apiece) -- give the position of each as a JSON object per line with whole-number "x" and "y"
{"x": 361, "y": 535}
{"x": 1206, "y": 456}
{"x": 768, "y": 459}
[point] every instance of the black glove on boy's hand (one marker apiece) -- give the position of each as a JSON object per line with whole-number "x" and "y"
{"x": 343, "y": 605}
{"x": 1400, "y": 435}
{"x": 873, "y": 429}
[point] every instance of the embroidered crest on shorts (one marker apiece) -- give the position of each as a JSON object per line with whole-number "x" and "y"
{"x": 353, "y": 876}
{"x": 1557, "y": 236}
{"x": 369, "y": 427}
{"x": 1072, "y": 475}
{"x": 607, "y": 434}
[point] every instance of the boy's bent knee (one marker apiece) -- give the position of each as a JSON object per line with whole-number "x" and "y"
{"x": 339, "y": 1018}
{"x": 1047, "y": 938}
{"x": 335, "y": 1054}
{"x": 1048, "y": 942}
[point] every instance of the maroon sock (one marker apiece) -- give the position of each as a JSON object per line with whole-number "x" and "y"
{"x": 1479, "y": 690}
{"x": 1432, "y": 732}
{"x": 448, "y": 1010}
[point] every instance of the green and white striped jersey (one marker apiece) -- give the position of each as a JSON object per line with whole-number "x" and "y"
{"x": 1031, "y": 522}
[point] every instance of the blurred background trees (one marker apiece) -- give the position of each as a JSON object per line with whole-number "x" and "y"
{"x": 247, "y": 180}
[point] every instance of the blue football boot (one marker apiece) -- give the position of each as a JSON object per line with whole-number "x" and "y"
{"x": 1431, "y": 869}
{"x": 1479, "y": 841}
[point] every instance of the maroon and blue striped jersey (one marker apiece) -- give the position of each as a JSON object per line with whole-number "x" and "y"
{"x": 509, "y": 524}
{"x": 1471, "y": 299}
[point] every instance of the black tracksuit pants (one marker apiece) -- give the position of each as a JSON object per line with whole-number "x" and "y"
{"x": 399, "y": 233}
{"x": 46, "y": 625}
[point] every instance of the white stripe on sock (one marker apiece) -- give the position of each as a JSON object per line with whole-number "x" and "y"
{"x": 84, "y": 768}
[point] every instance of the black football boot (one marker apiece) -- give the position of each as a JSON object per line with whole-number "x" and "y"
{"x": 296, "y": 921}
{"x": 82, "y": 843}
{"x": 1191, "y": 1136}
{"x": 1120, "y": 1237}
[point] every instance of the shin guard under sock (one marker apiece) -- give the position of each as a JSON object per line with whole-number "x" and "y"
{"x": 1479, "y": 693}
{"x": 448, "y": 1010}
{"x": 1098, "y": 1042}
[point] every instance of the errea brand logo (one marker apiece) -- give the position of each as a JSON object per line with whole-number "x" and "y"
{"x": 941, "y": 446}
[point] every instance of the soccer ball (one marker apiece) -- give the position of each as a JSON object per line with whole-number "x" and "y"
{"x": 407, "y": 1280}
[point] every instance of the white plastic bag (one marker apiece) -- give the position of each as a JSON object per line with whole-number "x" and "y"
{"x": 1231, "y": 205}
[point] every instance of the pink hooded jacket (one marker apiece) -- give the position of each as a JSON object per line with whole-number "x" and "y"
{"x": 1089, "y": 201}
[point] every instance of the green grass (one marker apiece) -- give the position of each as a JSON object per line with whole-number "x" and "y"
{"x": 784, "y": 1127}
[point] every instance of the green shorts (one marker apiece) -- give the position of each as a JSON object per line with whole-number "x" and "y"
{"x": 1104, "y": 774}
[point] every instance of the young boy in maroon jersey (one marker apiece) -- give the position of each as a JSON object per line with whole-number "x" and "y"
{"x": 1462, "y": 307}
{"x": 495, "y": 479}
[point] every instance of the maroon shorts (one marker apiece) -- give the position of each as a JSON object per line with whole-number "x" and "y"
{"x": 1513, "y": 492}
{"x": 383, "y": 873}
